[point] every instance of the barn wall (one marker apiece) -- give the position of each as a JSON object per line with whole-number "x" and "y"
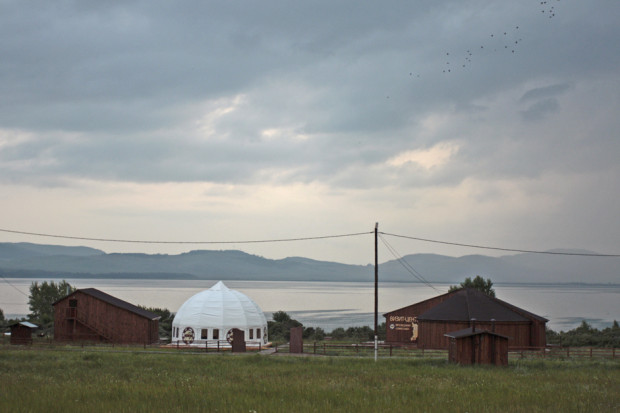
{"x": 97, "y": 320}
{"x": 538, "y": 334}
{"x": 402, "y": 319}
{"x": 432, "y": 333}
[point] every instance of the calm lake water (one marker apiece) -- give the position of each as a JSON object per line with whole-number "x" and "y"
{"x": 341, "y": 304}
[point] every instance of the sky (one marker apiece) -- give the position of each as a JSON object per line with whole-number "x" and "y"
{"x": 478, "y": 122}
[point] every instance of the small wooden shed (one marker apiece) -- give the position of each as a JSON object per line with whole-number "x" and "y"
{"x": 92, "y": 315}
{"x": 21, "y": 332}
{"x": 471, "y": 346}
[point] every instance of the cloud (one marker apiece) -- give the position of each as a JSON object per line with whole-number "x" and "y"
{"x": 540, "y": 109}
{"x": 339, "y": 99}
{"x": 545, "y": 92}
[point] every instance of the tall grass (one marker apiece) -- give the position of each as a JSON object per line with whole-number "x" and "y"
{"x": 105, "y": 381}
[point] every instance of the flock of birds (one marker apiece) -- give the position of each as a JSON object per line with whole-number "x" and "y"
{"x": 550, "y": 10}
{"x": 506, "y": 41}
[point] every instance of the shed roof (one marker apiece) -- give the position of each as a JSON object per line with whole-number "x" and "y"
{"x": 469, "y": 303}
{"x": 468, "y": 332}
{"x": 25, "y": 324}
{"x": 117, "y": 302}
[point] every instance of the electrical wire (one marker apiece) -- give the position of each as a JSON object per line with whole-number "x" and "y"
{"x": 18, "y": 290}
{"x": 406, "y": 264}
{"x": 264, "y": 241}
{"x": 578, "y": 254}
{"x": 186, "y": 242}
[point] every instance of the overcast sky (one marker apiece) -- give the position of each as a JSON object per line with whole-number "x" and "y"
{"x": 480, "y": 122}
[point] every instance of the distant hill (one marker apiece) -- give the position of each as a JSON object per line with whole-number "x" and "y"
{"x": 52, "y": 261}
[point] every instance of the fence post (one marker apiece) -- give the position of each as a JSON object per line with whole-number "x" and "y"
{"x": 567, "y": 352}
{"x": 613, "y": 352}
{"x": 314, "y": 347}
{"x": 390, "y": 350}
{"x": 324, "y": 349}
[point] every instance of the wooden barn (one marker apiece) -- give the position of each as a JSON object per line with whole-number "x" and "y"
{"x": 426, "y": 323}
{"x": 21, "y": 332}
{"x": 92, "y": 315}
{"x": 475, "y": 346}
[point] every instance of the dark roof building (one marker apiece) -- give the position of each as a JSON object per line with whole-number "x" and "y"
{"x": 427, "y": 322}
{"x": 91, "y": 315}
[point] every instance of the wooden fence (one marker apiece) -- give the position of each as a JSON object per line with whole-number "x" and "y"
{"x": 563, "y": 353}
{"x": 344, "y": 349}
{"x": 387, "y": 350}
{"x": 365, "y": 350}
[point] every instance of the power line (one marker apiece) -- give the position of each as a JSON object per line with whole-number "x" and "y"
{"x": 406, "y": 265}
{"x": 18, "y": 290}
{"x": 265, "y": 241}
{"x": 579, "y": 254}
{"x": 185, "y": 242}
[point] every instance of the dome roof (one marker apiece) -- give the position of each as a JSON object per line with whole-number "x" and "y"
{"x": 220, "y": 307}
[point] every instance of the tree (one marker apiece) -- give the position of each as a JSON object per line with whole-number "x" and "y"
{"x": 42, "y": 296}
{"x": 478, "y": 283}
{"x": 165, "y": 322}
{"x": 281, "y": 317}
{"x": 280, "y": 327}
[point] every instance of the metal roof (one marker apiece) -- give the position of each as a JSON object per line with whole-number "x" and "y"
{"x": 25, "y": 324}
{"x": 117, "y": 302}
{"x": 469, "y": 303}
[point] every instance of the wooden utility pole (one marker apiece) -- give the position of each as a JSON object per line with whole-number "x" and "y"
{"x": 376, "y": 287}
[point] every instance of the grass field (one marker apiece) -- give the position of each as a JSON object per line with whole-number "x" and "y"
{"x": 73, "y": 380}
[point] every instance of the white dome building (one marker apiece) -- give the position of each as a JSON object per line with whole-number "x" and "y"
{"x": 207, "y": 318}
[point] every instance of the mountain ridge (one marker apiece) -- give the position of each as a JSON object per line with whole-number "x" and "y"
{"x": 40, "y": 260}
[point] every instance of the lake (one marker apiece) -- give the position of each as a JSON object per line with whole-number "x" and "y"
{"x": 344, "y": 304}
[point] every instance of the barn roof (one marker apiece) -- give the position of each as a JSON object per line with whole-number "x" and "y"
{"x": 469, "y": 303}
{"x": 117, "y": 302}
{"x": 468, "y": 332}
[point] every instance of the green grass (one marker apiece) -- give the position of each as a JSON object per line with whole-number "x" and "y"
{"x": 58, "y": 380}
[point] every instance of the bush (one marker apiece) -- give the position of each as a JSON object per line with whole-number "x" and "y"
{"x": 586, "y": 336}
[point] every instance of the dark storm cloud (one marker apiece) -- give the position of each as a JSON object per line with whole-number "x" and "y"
{"x": 540, "y": 109}
{"x": 116, "y": 90}
{"x": 544, "y": 92}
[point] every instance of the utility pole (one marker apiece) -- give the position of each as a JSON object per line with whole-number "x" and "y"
{"x": 376, "y": 288}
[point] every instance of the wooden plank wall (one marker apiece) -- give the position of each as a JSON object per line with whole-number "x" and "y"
{"x": 432, "y": 333}
{"x": 121, "y": 325}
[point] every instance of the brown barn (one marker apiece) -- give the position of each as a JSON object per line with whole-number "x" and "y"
{"x": 92, "y": 315}
{"x": 427, "y": 322}
{"x": 21, "y": 333}
{"x": 472, "y": 346}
